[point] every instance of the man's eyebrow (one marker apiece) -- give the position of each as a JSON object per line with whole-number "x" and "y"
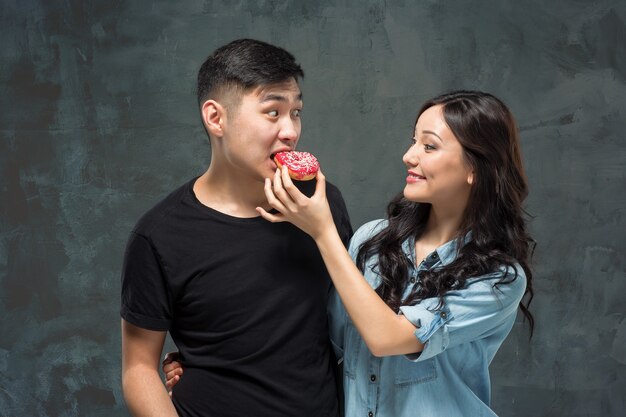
{"x": 433, "y": 133}
{"x": 278, "y": 97}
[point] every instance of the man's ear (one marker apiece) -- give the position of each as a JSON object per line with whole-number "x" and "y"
{"x": 214, "y": 118}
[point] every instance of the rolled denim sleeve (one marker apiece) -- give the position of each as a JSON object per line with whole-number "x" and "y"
{"x": 469, "y": 314}
{"x": 432, "y": 329}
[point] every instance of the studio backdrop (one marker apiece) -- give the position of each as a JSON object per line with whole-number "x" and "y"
{"x": 98, "y": 121}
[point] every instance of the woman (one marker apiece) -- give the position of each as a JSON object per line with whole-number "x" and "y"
{"x": 436, "y": 287}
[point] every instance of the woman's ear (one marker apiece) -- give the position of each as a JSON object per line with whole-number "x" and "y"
{"x": 214, "y": 118}
{"x": 470, "y": 177}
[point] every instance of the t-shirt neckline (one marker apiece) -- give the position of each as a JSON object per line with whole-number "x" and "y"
{"x": 216, "y": 213}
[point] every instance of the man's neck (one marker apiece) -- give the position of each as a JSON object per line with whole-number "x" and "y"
{"x": 230, "y": 195}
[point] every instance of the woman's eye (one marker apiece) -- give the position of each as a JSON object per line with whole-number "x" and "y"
{"x": 273, "y": 113}
{"x": 297, "y": 113}
{"x": 428, "y": 147}
{"x": 413, "y": 141}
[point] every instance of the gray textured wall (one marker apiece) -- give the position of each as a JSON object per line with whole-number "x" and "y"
{"x": 98, "y": 121}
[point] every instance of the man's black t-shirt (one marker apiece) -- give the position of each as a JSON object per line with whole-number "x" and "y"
{"x": 245, "y": 302}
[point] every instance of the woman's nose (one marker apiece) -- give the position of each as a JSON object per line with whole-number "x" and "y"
{"x": 411, "y": 157}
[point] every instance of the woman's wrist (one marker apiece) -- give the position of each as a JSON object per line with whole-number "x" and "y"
{"x": 327, "y": 237}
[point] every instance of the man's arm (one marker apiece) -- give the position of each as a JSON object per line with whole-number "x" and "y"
{"x": 143, "y": 390}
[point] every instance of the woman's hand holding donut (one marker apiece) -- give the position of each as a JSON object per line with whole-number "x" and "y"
{"x": 312, "y": 215}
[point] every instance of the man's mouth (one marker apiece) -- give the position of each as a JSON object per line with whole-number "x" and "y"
{"x": 273, "y": 154}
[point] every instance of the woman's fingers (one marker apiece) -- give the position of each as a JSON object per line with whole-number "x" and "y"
{"x": 272, "y": 199}
{"x": 283, "y": 196}
{"x": 281, "y": 182}
{"x": 274, "y": 218}
{"x": 169, "y": 384}
{"x": 320, "y": 186}
{"x": 293, "y": 192}
{"x": 277, "y": 196}
{"x": 171, "y": 366}
{"x": 174, "y": 372}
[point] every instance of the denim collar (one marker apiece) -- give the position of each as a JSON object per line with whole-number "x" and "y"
{"x": 445, "y": 253}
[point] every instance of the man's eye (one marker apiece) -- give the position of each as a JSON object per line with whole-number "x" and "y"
{"x": 297, "y": 113}
{"x": 273, "y": 113}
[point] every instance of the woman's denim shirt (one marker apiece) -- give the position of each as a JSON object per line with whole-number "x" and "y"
{"x": 450, "y": 377}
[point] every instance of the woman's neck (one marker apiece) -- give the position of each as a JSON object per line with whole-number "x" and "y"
{"x": 441, "y": 226}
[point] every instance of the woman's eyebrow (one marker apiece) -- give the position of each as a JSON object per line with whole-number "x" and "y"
{"x": 433, "y": 133}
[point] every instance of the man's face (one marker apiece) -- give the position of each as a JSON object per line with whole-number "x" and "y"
{"x": 266, "y": 121}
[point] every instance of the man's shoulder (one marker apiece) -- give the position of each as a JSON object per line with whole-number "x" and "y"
{"x": 162, "y": 210}
{"x": 340, "y": 212}
{"x": 308, "y": 188}
{"x": 332, "y": 192}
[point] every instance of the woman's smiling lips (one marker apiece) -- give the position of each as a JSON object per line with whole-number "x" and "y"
{"x": 413, "y": 177}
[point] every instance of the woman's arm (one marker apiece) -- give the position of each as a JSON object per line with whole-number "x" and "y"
{"x": 385, "y": 332}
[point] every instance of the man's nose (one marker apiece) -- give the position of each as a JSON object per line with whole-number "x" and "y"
{"x": 289, "y": 130}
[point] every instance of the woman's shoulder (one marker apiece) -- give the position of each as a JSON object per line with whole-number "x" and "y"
{"x": 369, "y": 229}
{"x": 364, "y": 233}
{"x": 512, "y": 276}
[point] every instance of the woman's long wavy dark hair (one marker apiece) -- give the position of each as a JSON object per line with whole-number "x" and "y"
{"x": 487, "y": 132}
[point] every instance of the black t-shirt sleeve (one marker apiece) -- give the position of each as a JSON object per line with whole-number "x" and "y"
{"x": 145, "y": 294}
{"x": 340, "y": 215}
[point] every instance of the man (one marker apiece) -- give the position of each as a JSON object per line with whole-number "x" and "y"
{"x": 243, "y": 299}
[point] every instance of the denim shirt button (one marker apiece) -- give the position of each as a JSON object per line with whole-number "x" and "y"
{"x": 412, "y": 280}
{"x": 443, "y": 315}
{"x": 373, "y": 378}
{"x": 370, "y": 414}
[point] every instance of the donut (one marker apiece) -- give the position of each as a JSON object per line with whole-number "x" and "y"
{"x": 302, "y": 166}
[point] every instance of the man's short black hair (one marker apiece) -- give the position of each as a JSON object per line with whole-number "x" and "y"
{"x": 242, "y": 65}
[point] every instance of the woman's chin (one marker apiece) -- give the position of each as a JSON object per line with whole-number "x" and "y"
{"x": 414, "y": 197}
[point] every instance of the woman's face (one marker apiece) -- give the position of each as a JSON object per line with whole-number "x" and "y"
{"x": 437, "y": 171}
